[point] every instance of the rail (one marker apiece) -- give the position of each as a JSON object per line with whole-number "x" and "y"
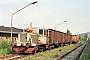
{"x": 67, "y": 55}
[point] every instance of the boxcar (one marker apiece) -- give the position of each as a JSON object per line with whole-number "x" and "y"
{"x": 68, "y": 38}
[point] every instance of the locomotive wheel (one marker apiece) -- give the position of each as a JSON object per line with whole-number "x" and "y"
{"x": 34, "y": 52}
{"x": 27, "y": 44}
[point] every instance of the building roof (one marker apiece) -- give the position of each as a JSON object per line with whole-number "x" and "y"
{"x": 8, "y": 29}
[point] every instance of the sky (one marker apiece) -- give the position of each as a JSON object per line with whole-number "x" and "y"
{"x": 47, "y": 14}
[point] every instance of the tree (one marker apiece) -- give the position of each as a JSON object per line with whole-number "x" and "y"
{"x": 3, "y": 25}
{"x": 68, "y": 31}
{"x": 85, "y": 37}
{"x": 80, "y": 38}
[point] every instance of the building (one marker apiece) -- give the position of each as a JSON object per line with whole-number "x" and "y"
{"x": 5, "y": 33}
{"x": 88, "y": 38}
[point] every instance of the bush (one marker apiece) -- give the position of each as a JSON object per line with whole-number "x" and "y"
{"x": 5, "y": 47}
{"x": 4, "y": 44}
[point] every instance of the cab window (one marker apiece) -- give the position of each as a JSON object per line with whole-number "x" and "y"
{"x": 44, "y": 32}
{"x": 40, "y": 31}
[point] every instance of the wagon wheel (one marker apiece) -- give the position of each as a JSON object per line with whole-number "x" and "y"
{"x": 52, "y": 46}
{"x": 41, "y": 49}
{"x": 49, "y": 48}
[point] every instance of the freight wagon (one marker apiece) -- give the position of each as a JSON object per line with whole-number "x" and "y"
{"x": 39, "y": 39}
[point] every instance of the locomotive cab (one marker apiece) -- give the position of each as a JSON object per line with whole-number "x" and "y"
{"x": 42, "y": 36}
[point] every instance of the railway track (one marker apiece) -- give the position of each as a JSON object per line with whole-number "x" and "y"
{"x": 14, "y": 57}
{"x": 8, "y": 56}
{"x": 73, "y": 54}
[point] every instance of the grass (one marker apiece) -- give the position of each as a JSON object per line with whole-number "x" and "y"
{"x": 52, "y": 54}
{"x": 86, "y": 55}
{"x": 81, "y": 41}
